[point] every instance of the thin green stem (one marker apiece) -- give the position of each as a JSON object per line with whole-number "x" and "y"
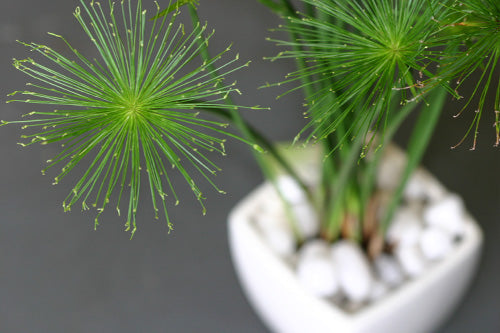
{"x": 419, "y": 140}
{"x": 268, "y": 171}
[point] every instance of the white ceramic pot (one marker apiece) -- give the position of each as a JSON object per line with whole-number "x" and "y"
{"x": 420, "y": 305}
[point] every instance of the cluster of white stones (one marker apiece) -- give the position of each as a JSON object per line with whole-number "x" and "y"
{"x": 423, "y": 231}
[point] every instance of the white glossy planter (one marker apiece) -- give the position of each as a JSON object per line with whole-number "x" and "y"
{"x": 419, "y": 306}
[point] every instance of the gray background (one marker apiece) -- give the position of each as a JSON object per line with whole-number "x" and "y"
{"x": 59, "y": 275}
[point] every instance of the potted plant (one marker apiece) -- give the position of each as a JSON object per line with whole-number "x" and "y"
{"x": 363, "y": 67}
{"x": 357, "y": 62}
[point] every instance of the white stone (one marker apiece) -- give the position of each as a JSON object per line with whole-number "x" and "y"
{"x": 405, "y": 228}
{"x": 388, "y": 270}
{"x": 291, "y": 190}
{"x": 271, "y": 219}
{"x": 315, "y": 247}
{"x": 354, "y": 271}
{"x": 281, "y": 241}
{"x": 390, "y": 168}
{"x": 435, "y": 243}
{"x": 447, "y": 214}
{"x": 307, "y": 219}
{"x": 411, "y": 260}
{"x": 421, "y": 186}
{"x": 379, "y": 290}
{"x": 316, "y": 271}
{"x": 305, "y": 215}
{"x": 277, "y": 232}
{"x": 270, "y": 203}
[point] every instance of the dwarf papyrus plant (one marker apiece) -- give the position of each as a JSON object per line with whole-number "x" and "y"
{"x": 363, "y": 66}
{"x": 130, "y": 115}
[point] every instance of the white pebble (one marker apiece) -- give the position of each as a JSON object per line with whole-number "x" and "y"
{"x": 316, "y": 272}
{"x": 281, "y": 241}
{"x": 379, "y": 290}
{"x": 271, "y": 219}
{"x": 354, "y": 272}
{"x": 411, "y": 260}
{"x": 315, "y": 247}
{"x": 307, "y": 219}
{"x": 421, "y": 186}
{"x": 388, "y": 270}
{"x": 277, "y": 232}
{"x": 435, "y": 243}
{"x": 269, "y": 203}
{"x": 405, "y": 228}
{"x": 390, "y": 168}
{"x": 447, "y": 214}
{"x": 291, "y": 190}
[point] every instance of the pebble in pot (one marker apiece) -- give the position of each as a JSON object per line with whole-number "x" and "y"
{"x": 291, "y": 190}
{"x": 390, "y": 169}
{"x": 435, "y": 243}
{"x": 277, "y": 232}
{"x": 315, "y": 270}
{"x": 411, "y": 260}
{"x": 421, "y": 186}
{"x": 405, "y": 228}
{"x": 303, "y": 212}
{"x": 354, "y": 271}
{"x": 306, "y": 219}
{"x": 447, "y": 214}
{"x": 388, "y": 270}
{"x": 378, "y": 290}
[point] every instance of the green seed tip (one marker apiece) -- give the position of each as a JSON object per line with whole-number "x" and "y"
{"x": 258, "y": 148}
{"x": 132, "y": 233}
{"x": 55, "y": 35}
